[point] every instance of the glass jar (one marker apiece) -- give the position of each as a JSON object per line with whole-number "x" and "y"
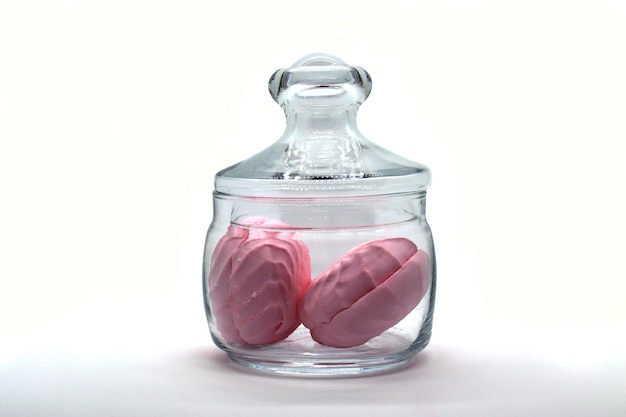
{"x": 319, "y": 259}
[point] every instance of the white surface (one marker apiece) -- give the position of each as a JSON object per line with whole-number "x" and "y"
{"x": 115, "y": 115}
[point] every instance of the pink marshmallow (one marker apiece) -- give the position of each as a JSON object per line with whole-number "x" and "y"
{"x": 256, "y": 280}
{"x": 365, "y": 292}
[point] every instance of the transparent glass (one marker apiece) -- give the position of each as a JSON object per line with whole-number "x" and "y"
{"x": 319, "y": 259}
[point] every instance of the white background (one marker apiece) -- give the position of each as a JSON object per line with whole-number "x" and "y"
{"x": 115, "y": 115}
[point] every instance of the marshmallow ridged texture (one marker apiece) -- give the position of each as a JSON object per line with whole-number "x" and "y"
{"x": 365, "y": 292}
{"x": 256, "y": 280}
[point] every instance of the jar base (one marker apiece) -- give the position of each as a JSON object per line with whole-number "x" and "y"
{"x": 324, "y": 368}
{"x": 388, "y": 352}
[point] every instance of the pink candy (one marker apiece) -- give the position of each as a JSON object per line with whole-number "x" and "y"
{"x": 365, "y": 292}
{"x": 260, "y": 287}
{"x": 256, "y": 280}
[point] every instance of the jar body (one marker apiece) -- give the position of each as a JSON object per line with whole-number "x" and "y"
{"x": 329, "y": 229}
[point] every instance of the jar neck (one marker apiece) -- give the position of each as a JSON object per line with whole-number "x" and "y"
{"x": 338, "y": 121}
{"x": 322, "y": 143}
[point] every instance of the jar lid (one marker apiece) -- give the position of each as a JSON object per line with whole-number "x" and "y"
{"x": 322, "y": 153}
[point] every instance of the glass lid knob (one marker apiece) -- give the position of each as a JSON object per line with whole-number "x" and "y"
{"x": 320, "y": 80}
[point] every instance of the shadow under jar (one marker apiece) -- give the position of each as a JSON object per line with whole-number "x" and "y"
{"x": 319, "y": 259}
